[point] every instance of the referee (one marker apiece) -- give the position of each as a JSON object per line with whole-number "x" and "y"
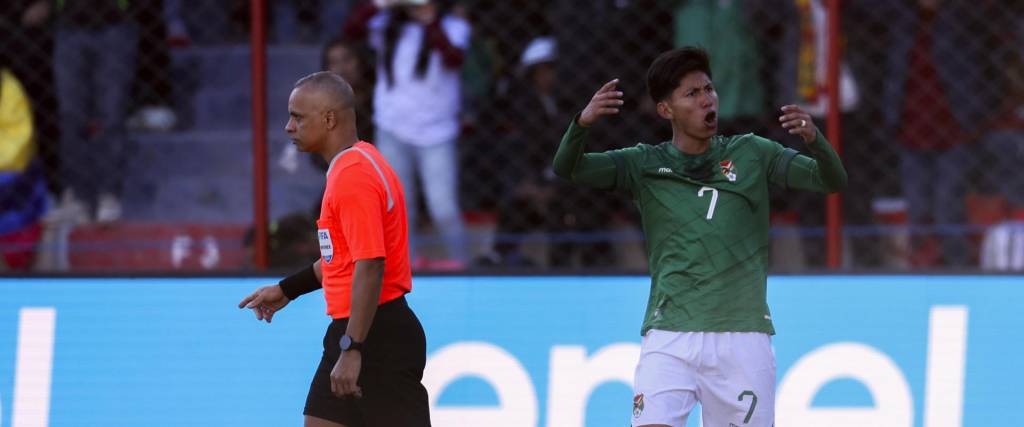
{"x": 374, "y": 349}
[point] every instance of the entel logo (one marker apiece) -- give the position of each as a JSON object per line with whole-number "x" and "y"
{"x": 574, "y": 376}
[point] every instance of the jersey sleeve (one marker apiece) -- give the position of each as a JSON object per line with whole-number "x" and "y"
{"x": 608, "y": 170}
{"x": 824, "y": 173}
{"x": 360, "y": 208}
{"x": 625, "y": 175}
{"x": 775, "y": 158}
{"x": 788, "y": 169}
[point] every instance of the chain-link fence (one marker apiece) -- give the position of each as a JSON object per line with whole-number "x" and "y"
{"x": 127, "y": 144}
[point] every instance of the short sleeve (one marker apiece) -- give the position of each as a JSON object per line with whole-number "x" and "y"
{"x": 360, "y": 212}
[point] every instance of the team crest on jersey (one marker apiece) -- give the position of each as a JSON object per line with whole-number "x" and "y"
{"x": 638, "y": 405}
{"x": 326, "y": 246}
{"x": 728, "y": 169}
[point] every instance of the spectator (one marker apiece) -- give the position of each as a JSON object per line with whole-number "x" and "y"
{"x": 936, "y": 99}
{"x": 27, "y": 50}
{"x": 801, "y": 67}
{"x": 1004, "y": 138}
{"x": 501, "y": 31}
{"x": 417, "y": 100}
{"x": 532, "y": 118}
{"x": 151, "y": 94}
{"x": 94, "y": 64}
{"x": 586, "y": 217}
{"x": 354, "y": 63}
{"x": 22, "y": 184}
{"x": 812, "y": 61}
{"x": 725, "y": 29}
{"x": 287, "y": 21}
{"x": 1003, "y": 245}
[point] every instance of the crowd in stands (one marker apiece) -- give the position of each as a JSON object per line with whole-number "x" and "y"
{"x": 467, "y": 99}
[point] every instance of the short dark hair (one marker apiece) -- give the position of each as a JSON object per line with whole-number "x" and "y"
{"x": 670, "y": 67}
{"x": 337, "y": 89}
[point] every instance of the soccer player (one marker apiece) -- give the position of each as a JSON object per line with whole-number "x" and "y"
{"x": 703, "y": 201}
{"x": 374, "y": 349}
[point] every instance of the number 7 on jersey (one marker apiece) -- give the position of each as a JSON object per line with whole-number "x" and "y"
{"x": 714, "y": 200}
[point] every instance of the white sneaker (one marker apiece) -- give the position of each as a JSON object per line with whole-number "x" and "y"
{"x": 153, "y": 118}
{"x": 67, "y": 208}
{"x": 108, "y": 208}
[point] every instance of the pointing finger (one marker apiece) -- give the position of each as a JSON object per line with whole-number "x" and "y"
{"x": 608, "y": 86}
{"x": 245, "y": 302}
{"x": 256, "y": 300}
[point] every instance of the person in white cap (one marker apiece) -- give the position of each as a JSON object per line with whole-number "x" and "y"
{"x": 531, "y": 118}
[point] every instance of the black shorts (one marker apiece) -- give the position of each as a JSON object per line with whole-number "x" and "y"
{"x": 393, "y": 358}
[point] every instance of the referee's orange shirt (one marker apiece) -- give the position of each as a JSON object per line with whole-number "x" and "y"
{"x": 362, "y": 216}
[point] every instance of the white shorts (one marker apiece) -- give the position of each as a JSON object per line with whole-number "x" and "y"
{"x": 731, "y": 374}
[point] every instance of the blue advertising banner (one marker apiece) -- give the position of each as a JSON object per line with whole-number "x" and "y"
{"x": 929, "y": 351}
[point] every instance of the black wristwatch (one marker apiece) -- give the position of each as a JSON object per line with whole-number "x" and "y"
{"x": 347, "y": 343}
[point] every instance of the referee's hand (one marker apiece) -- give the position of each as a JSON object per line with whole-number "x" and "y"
{"x": 345, "y": 375}
{"x": 265, "y": 302}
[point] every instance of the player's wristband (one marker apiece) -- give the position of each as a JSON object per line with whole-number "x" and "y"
{"x": 302, "y": 282}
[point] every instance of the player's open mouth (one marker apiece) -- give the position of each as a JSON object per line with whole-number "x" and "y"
{"x": 711, "y": 119}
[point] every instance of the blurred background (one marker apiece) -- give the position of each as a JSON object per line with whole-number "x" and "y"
{"x": 129, "y": 143}
{"x": 145, "y": 138}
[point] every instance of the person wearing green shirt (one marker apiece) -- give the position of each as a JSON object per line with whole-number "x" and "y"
{"x": 704, "y": 208}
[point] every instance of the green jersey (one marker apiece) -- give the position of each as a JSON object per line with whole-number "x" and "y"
{"x": 705, "y": 218}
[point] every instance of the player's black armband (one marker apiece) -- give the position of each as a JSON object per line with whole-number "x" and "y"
{"x": 302, "y": 282}
{"x": 781, "y": 170}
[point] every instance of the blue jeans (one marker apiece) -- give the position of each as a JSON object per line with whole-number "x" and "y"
{"x": 437, "y": 168}
{"x": 94, "y": 70}
{"x": 1002, "y": 173}
{"x": 933, "y": 184}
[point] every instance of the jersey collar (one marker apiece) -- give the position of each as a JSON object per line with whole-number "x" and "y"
{"x": 336, "y": 157}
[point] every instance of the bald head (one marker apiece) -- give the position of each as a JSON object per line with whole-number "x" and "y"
{"x": 322, "y": 115}
{"x": 335, "y": 92}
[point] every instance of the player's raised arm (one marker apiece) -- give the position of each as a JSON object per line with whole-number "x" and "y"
{"x": 825, "y": 172}
{"x": 606, "y": 101}
{"x": 591, "y": 169}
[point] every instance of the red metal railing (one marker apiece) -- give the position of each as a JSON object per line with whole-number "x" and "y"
{"x": 258, "y": 46}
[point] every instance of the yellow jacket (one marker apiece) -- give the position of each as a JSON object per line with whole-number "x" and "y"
{"x": 17, "y": 142}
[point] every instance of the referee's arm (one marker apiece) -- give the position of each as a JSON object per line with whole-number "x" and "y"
{"x": 366, "y": 284}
